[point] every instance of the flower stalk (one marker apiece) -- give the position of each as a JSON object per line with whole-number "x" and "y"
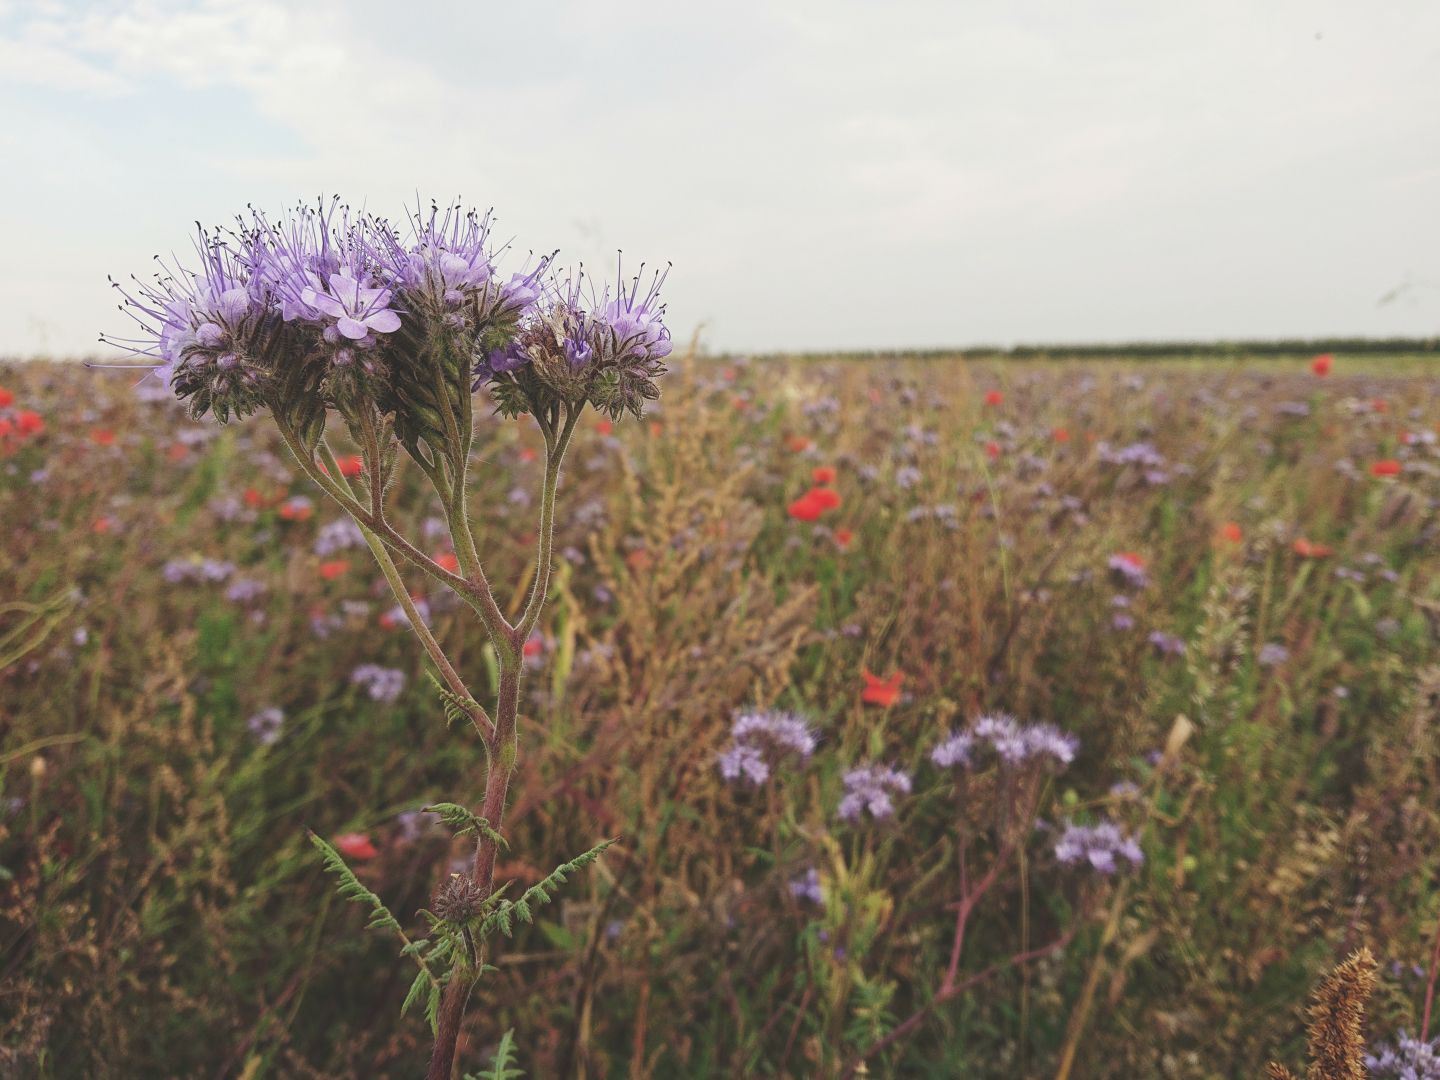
{"x": 321, "y": 316}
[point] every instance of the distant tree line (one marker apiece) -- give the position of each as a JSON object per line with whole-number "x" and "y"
{"x": 1165, "y": 349}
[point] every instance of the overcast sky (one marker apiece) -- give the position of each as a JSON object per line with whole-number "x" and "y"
{"x": 822, "y": 173}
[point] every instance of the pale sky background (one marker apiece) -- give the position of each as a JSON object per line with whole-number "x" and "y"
{"x": 822, "y": 173}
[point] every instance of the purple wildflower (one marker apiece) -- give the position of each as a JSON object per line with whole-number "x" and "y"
{"x": 953, "y": 750}
{"x": 265, "y": 725}
{"x": 869, "y": 788}
{"x": 808, "y": 887}
{"x": 1273, "y": 654}
{"x": 245, "y": 590}
{"x": 743, "y": 761}
{"x": 338, "y": 535}
{"x": 761, "y": 740}
{"x": 381, "y": 683}
{"x": 1101, "y": 846}
{"x": 1130, "y": 569}
{"x": 1406, "y": 1059}
{"x": 1167, "y": 644}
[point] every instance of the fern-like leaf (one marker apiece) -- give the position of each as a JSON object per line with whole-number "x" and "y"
{"x": 505, "y": 913}
{"x": 463, "y": 821}
{"x": 457, "y": 709}
{"x": 351, "y": 888}
{"x": 502, "y": 1065}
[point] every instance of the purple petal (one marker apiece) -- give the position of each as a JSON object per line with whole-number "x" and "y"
{"x": 351, "y": 328}
{"x": 383, "y": 322}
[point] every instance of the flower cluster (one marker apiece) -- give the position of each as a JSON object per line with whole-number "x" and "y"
{"x": 760, "y": 741}
{"x": 578, "y": 344}
{"x": 323, "y": 309}
{"x": 1407, "y": 1059}
{"x": 869, "y": 788}
{"x": 1011, "y": 742}
{"x": 1100, "y": 846}
{"x": 381, "y": 683}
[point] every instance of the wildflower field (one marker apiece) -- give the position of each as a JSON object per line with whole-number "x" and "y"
{"x": 951, "y": 718}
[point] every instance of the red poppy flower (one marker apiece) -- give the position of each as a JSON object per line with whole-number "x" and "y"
{"x": 334, "y": 568}
{"x": 1230, "y": 533}
{"x": 994, "y": 397}
{"x": 1308, "y": 549}
{"x": 656, "y": 428}
{"x": 447, "y": 560}
{"x": 728, "y": 374}
{"x": 28, "y": 422}
{"x": 177, "y": 452}
{"x": 992, "y": 449}
{"x": 294, "y": 510}
{"x": 354, "y": 845}
{"x": 1379, "y": 405}
{"x": 1385, "y": 467}
{"x": 605, "y": 427}
{"x": 878, "y": 691}
{"x": 824, "y": 497}
{"x": 823, "y": 475}
{"x": 6, "y": 398}
{"x": 798, "y": 443}
{"x": 843, "y": 537}
{"x": 639, "y": 559}
{"x": 1060, "y": 434}
{"x": 102, "y": 525}
{"x": 527, "y": 454}
{"x": 102, "y": 437}
{"x": 1133, "y": 558}
{"x": 352, "y": 465}
{"x": 6, "y": 427}
{"x": 533, "y": 647}
{"x": 252, "y": 497}
{"x": 805, "y": 509}
{"x": 1321, "y": 364}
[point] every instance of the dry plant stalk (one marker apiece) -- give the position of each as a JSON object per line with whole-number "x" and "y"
{"x": 1337, "y": 1023}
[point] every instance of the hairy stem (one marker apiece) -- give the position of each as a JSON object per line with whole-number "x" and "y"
{"x": 497, "y": 785}
{"x": 555, "y": 446}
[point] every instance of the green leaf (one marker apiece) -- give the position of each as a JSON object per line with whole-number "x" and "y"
{"x": 463, "y": 821}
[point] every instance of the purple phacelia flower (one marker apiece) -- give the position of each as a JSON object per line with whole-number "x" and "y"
{"x": 953, "y": 750}
{"x": 1405, "y": 1059}
{"x": 1016, "y": 744}
{"x": 1101, "y": 846}
{"x": 1166, "y": 644}
{"x": 1129, "y": 568}
{"x": 743, "y": 761}
{"x": 245, "y": 590}
{"x": 761, "y": 740}
{"x": 359, "y": 310}
{"x": 808, "y": 887}
{"x": 266, "y": 725}
{"x": 869, "y": 788}
{"x": 785, "y": 732}
{"x": 380, "y": 683}
{"x": 1273, "y": 654}
{"x": 338, "y": 535}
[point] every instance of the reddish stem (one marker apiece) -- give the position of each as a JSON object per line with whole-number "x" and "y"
{"x": 1430, "y": 984}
